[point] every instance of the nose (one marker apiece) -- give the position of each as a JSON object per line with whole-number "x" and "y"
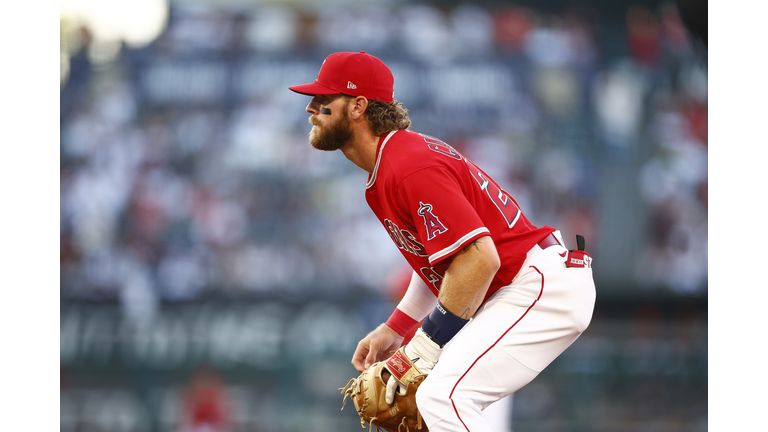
{"x": 313, "y": 107}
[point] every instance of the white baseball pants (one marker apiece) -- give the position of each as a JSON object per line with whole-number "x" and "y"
{"x": 520, "y": 330}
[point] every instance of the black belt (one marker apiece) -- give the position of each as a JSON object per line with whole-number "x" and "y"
{"x": 548, "y": 241}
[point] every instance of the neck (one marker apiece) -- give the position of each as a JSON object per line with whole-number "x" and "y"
{"x": 361, "y": 150}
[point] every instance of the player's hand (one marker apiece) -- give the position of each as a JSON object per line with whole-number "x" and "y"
{"x": 393, "y": 385}
{"x": 378, "y": 345}
{"x": 418, "y": 357}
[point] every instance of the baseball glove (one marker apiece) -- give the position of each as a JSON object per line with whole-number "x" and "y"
{"x": 368, "y": 394}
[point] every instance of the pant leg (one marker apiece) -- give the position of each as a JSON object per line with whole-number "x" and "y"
{"x": 518, "y": 332}
{"x": 498, "y": 415}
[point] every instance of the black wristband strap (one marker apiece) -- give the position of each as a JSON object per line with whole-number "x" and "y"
{"x": 441, "y": 325}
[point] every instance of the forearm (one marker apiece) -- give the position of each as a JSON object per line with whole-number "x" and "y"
{"x": 464, "y": 286}
{"x": 468, "y": 278}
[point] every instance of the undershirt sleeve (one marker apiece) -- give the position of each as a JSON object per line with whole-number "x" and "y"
{"x": 416, "y": 304}
{"x": 418, "y": 300}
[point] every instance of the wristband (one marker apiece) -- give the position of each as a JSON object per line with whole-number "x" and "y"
{"x": 441, "y": 325}
{"x": 400, "y": 322}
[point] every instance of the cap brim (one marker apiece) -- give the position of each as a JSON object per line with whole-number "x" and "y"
{"x": 312, "y": 89}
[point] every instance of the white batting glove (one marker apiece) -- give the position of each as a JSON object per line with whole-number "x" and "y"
{"x": 421, "y": 355}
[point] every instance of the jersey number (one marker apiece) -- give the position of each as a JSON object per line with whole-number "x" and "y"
{"x": 506, "y": 205}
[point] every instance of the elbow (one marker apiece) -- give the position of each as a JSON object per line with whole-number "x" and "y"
{"x": 487, "y": 257}
{"x": 488, "y": 262}
{"x": 491, "y": 258}
{"x": 493, "y": 263}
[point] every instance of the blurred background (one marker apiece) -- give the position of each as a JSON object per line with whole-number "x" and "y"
{"x": 216, "y": 272}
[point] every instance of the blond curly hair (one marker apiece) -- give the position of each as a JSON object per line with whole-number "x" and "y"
{"x": 385, "y": 117}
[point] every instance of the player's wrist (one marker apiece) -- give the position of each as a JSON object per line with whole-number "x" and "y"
{"x": 423, "y": 348}
{"x": 442, "y": 325}
{"x": 400, "y": 322}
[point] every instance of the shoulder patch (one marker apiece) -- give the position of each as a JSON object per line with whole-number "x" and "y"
{"x": 432, "y": 222}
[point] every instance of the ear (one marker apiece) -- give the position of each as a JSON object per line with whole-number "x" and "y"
{"x": 357, "y": 107}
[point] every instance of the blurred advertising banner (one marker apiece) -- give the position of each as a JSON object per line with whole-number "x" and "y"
{"x": 264, "y": 336}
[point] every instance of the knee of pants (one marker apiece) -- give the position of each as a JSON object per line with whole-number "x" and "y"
{"x": 432, "y": 398}
{"x": 436, "y": 398}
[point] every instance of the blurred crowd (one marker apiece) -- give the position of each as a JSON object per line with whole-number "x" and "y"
{"x": 185, "y": 168}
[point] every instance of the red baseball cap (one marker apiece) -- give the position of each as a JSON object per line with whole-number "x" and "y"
{"x": 354, "y": 74}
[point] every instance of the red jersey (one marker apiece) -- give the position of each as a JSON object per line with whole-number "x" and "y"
{"x": 434, "y": 202}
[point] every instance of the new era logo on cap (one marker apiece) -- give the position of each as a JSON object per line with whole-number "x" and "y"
{"x": 354, "y": 74}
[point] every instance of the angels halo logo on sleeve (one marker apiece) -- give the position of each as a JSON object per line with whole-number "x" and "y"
{"x": 432, "y": 222}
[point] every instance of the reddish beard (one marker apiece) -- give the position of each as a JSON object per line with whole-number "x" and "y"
{"x": 333, "y": 136}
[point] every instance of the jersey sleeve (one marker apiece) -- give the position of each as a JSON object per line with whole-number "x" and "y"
{"x": 441, "y": 213}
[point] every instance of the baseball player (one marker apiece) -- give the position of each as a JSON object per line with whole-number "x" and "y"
{"x": 500, "y": 297}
